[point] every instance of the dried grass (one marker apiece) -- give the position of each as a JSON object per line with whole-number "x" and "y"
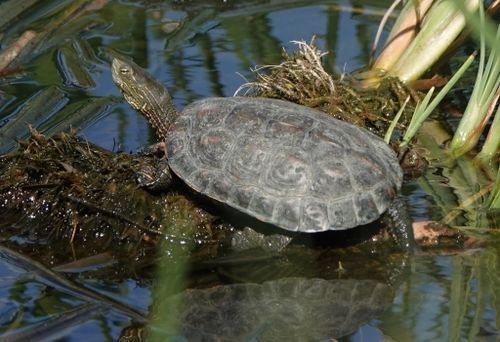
{"x": 300, "y": 76}
{"x": 301, "y": 79}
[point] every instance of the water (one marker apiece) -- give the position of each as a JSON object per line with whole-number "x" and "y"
{"x": 206, "y": 48}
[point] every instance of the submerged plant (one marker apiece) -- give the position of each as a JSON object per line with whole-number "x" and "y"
{"x": 494, "y": 200}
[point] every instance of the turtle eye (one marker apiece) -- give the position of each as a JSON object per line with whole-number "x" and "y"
{"x": 124, "y": 70}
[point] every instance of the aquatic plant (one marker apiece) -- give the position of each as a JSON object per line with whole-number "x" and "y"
{"x": 405, "y": 46}
{"x": 421, "y": 35}
{"x": 483, "y": 99}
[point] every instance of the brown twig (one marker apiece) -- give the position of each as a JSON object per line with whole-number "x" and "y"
{"x": 75, "y": 10}
{"x": 11, "y": 53}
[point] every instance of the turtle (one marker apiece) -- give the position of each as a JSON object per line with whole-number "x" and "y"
{"x": 284, "y": 309}
{"x": 285, "y": 164}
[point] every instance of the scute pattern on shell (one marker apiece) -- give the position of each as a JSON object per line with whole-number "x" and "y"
{"x": 285, "y": 164}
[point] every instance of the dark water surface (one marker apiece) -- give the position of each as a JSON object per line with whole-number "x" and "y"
{"x": 207, "y": 48}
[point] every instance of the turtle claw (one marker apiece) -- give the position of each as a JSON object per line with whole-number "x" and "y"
{"x": 159, "y": 149}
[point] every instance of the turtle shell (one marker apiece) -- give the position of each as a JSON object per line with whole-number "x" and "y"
{"x": 283, "y": 163}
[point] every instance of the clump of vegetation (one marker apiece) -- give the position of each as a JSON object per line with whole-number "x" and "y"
{"x": 80, "y": 199}
{"x": 301, "y": 78}
{"x": 422, "y": 34}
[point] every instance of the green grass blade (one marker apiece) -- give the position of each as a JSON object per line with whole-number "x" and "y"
{"x": 480, "y": 104}
{"x": 441, "y": 26}
{"x": 424, "y": 109}
{"x": 492, "y": 142}
{"x": 394, "y": 122}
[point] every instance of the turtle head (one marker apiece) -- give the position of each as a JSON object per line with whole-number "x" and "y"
{"x": 145, "y": 94}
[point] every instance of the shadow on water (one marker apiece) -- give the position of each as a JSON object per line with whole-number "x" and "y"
{"x": 101, "y": 285}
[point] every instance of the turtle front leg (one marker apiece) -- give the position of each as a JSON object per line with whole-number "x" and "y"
{"x": 154, "y": 175}
{"x": 155, "y": 178}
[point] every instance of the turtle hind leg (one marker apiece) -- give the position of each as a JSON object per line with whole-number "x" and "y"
{"x": 399, "y": 224}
